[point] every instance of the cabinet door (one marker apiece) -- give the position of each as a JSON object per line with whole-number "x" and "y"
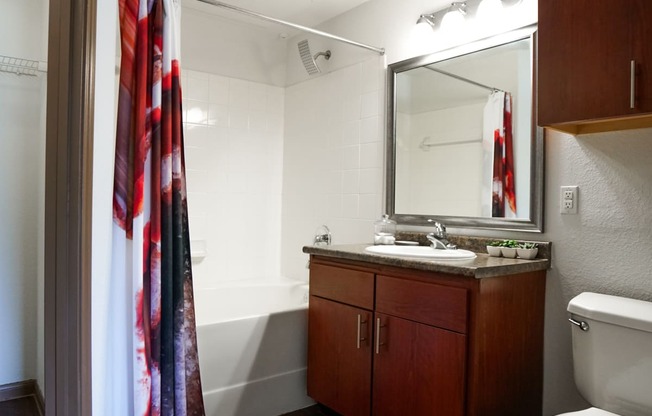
{"x": 339, "y": 356}
{"x": 585, "y": 49}
{"x": 418, "y": 369}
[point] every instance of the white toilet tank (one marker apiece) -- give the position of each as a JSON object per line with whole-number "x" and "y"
{"x": 613, "y": 357}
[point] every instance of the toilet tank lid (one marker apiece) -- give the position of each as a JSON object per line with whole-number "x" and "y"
{"x": 630, "y": 313}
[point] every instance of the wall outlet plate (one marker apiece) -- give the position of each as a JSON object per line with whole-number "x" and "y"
{"x": 568, "y": 199}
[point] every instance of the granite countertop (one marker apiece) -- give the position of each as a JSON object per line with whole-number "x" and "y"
{"x": 480, "y": 267}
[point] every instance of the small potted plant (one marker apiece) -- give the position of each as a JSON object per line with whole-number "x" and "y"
{"x": 508, "y": 248}
{"x": 527, "y": 251}
{"x": 493, "y": 248}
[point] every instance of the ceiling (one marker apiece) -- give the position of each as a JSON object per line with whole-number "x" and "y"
{"x": 303, "y": 12}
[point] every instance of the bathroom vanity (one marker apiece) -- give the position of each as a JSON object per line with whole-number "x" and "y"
{"x": 396, "y": 336}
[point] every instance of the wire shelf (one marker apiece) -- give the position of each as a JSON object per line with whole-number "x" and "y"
{"x": 19, "y": 66}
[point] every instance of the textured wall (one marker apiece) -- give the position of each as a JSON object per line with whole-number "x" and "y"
{"x": 606, "y": 247}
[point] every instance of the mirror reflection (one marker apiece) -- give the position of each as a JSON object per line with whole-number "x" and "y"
{"x": 462, "y": 141}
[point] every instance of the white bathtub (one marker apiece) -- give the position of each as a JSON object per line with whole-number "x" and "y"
{"x": 252, "y": 338}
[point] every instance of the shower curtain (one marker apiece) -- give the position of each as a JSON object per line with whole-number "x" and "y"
{"x": 498, "y": 187}
{"x": 151, "y": 246}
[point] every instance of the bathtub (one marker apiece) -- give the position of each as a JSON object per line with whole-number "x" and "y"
{"x": 252, "y": 338}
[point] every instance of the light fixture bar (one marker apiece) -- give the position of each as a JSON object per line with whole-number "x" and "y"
{"x": 380, "y": 51}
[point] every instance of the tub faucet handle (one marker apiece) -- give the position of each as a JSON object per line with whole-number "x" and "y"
{"x": 322, "y": 236}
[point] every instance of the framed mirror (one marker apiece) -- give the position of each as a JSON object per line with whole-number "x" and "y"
{"x": 462, "y": 143}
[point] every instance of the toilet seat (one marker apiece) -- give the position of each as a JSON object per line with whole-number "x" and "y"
{"x": 593, "y": 411}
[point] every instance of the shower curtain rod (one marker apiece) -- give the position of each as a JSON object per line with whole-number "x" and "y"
{"x": 477, "y": 84}
{"x": 380, "y": 51}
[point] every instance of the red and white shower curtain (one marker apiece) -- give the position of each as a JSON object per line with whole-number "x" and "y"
{"x": 498, "y": 189}
{"x": 151, "y": 246}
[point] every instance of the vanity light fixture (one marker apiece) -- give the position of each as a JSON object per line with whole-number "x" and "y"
{"x": 454, "y": 16}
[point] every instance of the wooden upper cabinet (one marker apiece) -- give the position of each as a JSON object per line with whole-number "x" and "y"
{"x": 585, "y": 54}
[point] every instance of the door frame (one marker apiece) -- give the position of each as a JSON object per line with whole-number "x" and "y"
{"x": 68, "y": 197}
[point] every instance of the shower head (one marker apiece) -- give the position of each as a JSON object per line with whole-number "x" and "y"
{"x": 308, "y": 59}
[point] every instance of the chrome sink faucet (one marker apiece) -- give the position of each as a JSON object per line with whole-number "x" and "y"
{"x": 439, "y": 238}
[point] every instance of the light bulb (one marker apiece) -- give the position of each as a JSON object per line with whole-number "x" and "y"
{"x": 489, "y": 9}
{"x": 452, "y": 21}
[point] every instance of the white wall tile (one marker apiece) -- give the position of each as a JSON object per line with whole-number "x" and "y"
{"x": 196, "y": 111}
{"x": 238, "y": 95}
{"x": 371, "y": 181}
{"x": 350, "y": 181}
{"x": 370, "y": 206}
{"x": 371, "y": 155}
{"x": 234, "y": 167}
{"x": 197, "y": 88}
{"x": 218, "y": 115}
{"x": 257, "y": 97}
{"x": 351, "y": 133}
{"x": 370, "y": 130}
{"x": 238, "y": 119}
{"x": 218, "y": 89}
{"x": 350, "y": 157}
{"x": 370, "y": 103}
{"x": 350, "y": 205}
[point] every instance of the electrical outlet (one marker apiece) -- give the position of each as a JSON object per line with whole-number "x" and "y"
{"x": 568, "y": 200}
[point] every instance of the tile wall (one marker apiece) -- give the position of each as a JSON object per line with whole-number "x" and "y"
{"x": 234, "y": 165}
{"x": 333, "y": 159}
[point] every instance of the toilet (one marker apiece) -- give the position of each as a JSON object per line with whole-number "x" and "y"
{"x": 612, "y": 354}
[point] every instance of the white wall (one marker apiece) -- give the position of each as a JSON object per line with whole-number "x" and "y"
{"x": 333, "y": 158}
{"x": 102, "y": 308}
{"x": 231, "y": 48}
{"x": 23, "y": 34}
{"x": 234, "y": 158}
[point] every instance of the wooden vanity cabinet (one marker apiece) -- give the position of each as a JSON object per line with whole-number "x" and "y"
{"x": 585, "y": 54}
{"x": 390, "y": 341}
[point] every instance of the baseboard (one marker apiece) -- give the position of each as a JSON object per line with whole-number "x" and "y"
{"x": 22, "y": 389}
{"x": 40, "y": 400}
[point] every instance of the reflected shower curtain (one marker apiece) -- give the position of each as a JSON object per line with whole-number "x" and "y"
{"x": 498, "y": 187}
{"x": 151, "y": 246}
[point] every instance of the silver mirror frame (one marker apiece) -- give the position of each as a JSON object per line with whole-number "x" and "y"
{"x": 537, "y": 158}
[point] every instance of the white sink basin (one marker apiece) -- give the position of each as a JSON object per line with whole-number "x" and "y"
{"x": 421, "y": 252}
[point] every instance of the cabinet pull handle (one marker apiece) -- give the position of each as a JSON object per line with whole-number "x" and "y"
{"x": 378, "y": 343}
{"x": 359, "y": 338}
{"x": 632, "y": 84}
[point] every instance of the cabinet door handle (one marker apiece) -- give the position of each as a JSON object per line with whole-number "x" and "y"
{"x": 360, "y": 338}
{"x": 632, "y": 84}
{"x": 378, "y": 343}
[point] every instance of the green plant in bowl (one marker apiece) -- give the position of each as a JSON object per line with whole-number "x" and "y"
{"x": 493, "y": 248}
{"x": 528, "y": 246}
{"x": 527, "y": 251}
{"x": 508, "y": 248}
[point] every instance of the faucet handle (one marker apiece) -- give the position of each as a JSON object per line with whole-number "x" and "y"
{"x": 322, "y": 236}
{"x": 440, "y": 230}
